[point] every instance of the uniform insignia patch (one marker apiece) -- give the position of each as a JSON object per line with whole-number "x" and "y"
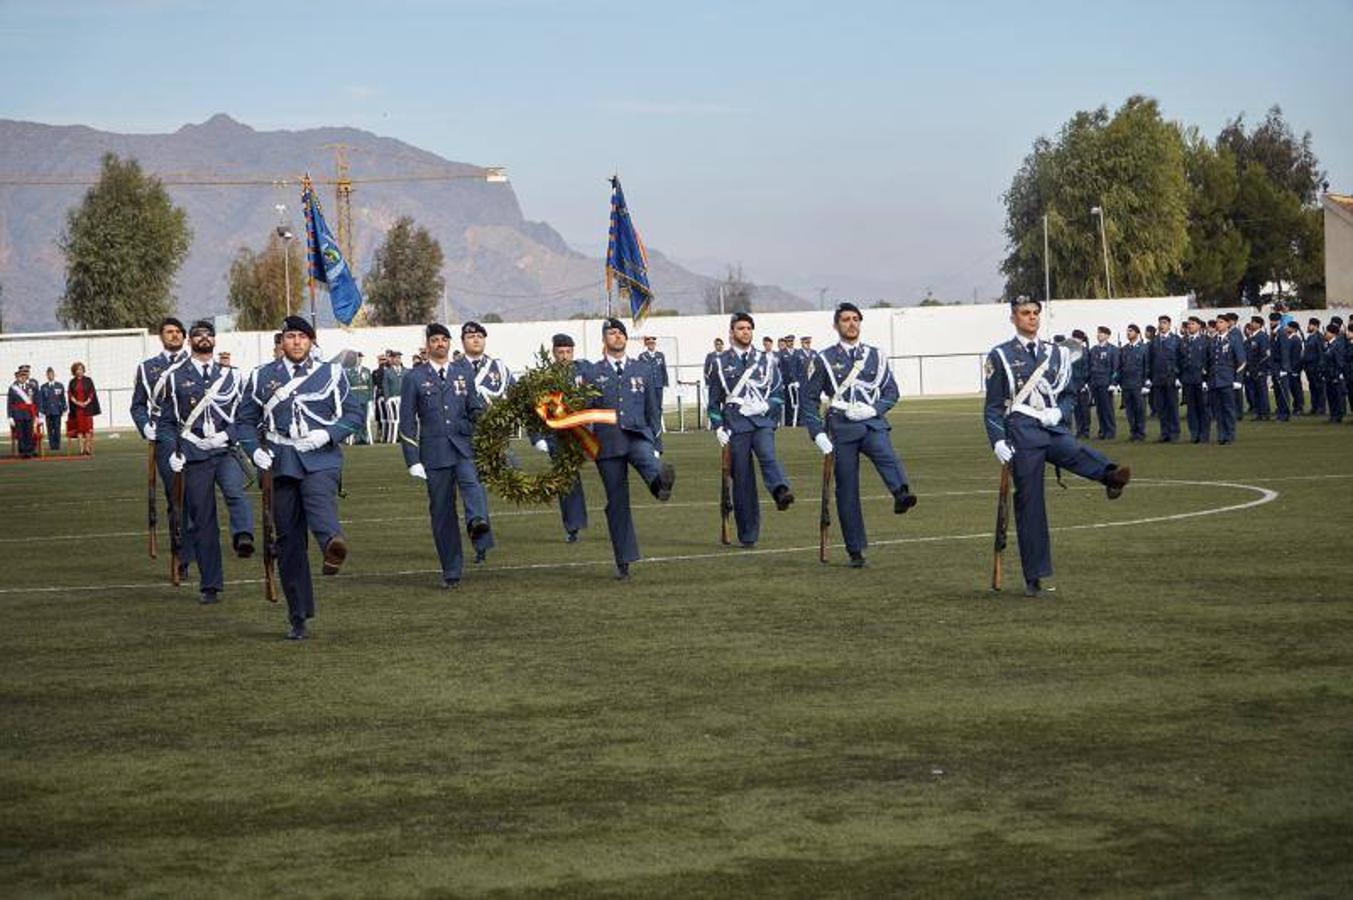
{"x": 988, "y": 368}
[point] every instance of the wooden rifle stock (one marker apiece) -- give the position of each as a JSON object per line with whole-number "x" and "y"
{"x": 269, "y": 536}
{"x": 726, "y": 493}
{"x": 152, "y": 515}
{"x": 176, "y": 513}
{"x": 1002, "y": 528}
{"x": 824, "y": 515}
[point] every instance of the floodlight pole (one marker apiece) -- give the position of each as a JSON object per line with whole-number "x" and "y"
{"x": 1047, "y": 276}
{"x": 1104, "y": 241}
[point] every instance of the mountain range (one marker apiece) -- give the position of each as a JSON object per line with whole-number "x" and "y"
{"x": 496, "y": 261}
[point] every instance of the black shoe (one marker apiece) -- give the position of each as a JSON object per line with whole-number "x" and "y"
{"x": 857, "y": 560}
{"x": 450, "y": 584}
{"x": 747, "y": 545}
{"x": 480, "y": 556}
{"x": 1033, "y": 588}
{"x": 903, "y": 500}
{"x": 477, "y": 527}
{"x": 1162, "y": 440}
{"x": 183, "y": 571}
{"x": 298, "y": 633}
{"x": 622, "y": 572}
{"x": 207, "y": 598}
{"x": 1115, "y": 480}
{"x": 244, "y": 545}
{"x": 784, "y": 498}
{"x": 662, "y": 485}
{"x": 571, "y": 537}
{"x": 335, "y": 552}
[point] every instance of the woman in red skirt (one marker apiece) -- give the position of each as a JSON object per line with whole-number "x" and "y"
{"x": 84, "y": 406}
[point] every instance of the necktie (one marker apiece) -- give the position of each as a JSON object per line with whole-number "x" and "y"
{"x": 299, "y": 369}
{"x": 206, "y": 372}
{"x": 478, "y": 364}
{"x": 1033, "y": 348}
{"x": 619, "y": 368}
{"x": 441, "y": 373}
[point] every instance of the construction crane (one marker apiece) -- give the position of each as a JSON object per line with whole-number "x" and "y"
{"x": 342, "y": 196}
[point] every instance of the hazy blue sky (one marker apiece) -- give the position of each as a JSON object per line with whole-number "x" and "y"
{"x": 860, "y": 145}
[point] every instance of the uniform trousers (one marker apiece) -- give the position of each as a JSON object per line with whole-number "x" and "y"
{"x": 1167, "y": 408}
{"x": 203, "y": 531}
{"x": 1223, "y": 400}
{"x": 1034, "y": 448}
{"x": 442, "y": 484}
{"x": 1199, "y": 418}
{"x": 54, "y": 432}
{"x": 614, "y": 472}
{"x": 1107, "y": 415}
{"x": 301, "y": 504}
{"x": 746, "y": 509}
{"x": 1134, "y": 407}
{"x": 878, "y": 447}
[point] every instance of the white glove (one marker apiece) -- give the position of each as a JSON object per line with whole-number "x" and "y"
{"x": 1282, "y": 374}
{"x": 12, "y": 425}
{"x": 754, "y": 407}
{"x": 858, "y": 411}
{"x": 149, "y": 431}
{"x": 657, "y": 454}
{"x": 1113, "y": 389}
{"x": 313, "y": 441}
{"x": 1177, "y": 383}
{"x": 723, "y": 435}
{"x": 218, "y": 441}
{"x": 1148, "y": 384}
{"x": 1051, "y": 416}
{"x": 541, "y": 445}
{"x": 176, "y": 461}
{"x": 1004, "y": 452}
{"x": 823, "y": 442}
{"x": 417, "y": 471}
{"x": 1235, "y": 385}
{"x": 1146, "y": 391}
{"x": 1204, "y": 386}
{"x": 262, "y": 459}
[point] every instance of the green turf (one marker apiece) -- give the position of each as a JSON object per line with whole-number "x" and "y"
{"x": 1179, "y": 721}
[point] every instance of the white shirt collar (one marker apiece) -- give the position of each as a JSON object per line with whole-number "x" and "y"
{"x": 1023, "y": 341}
{"x": 848, "y": 345}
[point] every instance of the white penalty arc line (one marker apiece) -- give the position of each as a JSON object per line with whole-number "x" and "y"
{"x": 1266, "y": 495}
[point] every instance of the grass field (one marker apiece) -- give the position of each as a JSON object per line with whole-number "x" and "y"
{"x": 1178, "y": 721}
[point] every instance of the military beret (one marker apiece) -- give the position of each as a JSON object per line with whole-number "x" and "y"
{"x": 737, "y": 317}
{"x": 1337, "y": 320}
{"x": 1025, "y": 300}
{"x": 608, "y": 324}
{"x": 845, "y": 307}
{"x": 562, "y": 340}
{"x": 473, "y": 327}
{"x": 296, "y": 323}
{"x": 1293, "y": 325}
{"x": 170, "y": 320}
{"x": 789, "y": 337}
{"x": 204, "y": 325}
{"x": 437, "y": 328}
{"x": 1313, "y": 321}
{"x": 1332, "y": 328}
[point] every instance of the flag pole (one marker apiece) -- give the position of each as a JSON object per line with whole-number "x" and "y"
{"x": 307, "y": 189}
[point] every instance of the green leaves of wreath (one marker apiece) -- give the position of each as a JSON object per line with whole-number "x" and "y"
{"x": 517, "y": 409}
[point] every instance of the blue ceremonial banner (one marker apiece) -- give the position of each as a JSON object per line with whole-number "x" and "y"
{"x": 626, "y": 260}
{"x": 327, "y": 265}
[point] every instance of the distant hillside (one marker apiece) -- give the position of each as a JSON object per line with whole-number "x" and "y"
{"x": 496, "y": 260}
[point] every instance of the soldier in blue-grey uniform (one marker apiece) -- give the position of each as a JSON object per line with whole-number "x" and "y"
{"x": 1279, "y": 361}
{"x": 198, "y": 414}
{"x": 573, "y": 505}
{"x": 1163, "y": 357}
{"x": 1257, "y": 369}
{"x": 655, "y": 358}
{"x": 1104, "y": 377}
{"x": 1133, "y": 378}
{"x": 1310, "y": 364}
{"x": 1028, "y": 402}
{"x": 492, "y": 378}
{"x": 626, "y": 385}
{"x": 1344, "y": 351}
{"x": 301, "y": 409}
{"x": 860, "y": 390}
{"x": 1080, "y": 385}
{"x": 438, "y": 408}
{"x": 746, "y": 394}
{"x": 52, "y": 406}
{"x": 1225, "y": 367}
{"x": 148, "y": 390}
{"x": 1193, "y": 359}
{"x": 1333, "y": 356}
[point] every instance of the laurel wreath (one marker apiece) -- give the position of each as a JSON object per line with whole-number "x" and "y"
{"x": 515, "y": 410}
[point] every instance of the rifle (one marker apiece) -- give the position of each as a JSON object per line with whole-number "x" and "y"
{"x": 269, "y": 532}
{"x": 1002, "y": 526}
{"x": 726, "y": 493}
{"x": 176, "y": 527}
{"x": 152, "y": 516}
{"x": 824, "y": 515}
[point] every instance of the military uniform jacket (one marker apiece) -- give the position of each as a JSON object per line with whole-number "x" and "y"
{"x": 734, "y": 380}
{"x": 322, "y": 399}
{"x": 392, "y": 381}
{"x": 633, "y": 394}
{"x": 1256, "y": 354}
{"x": 791, "y": 371}
{"x": 52, "y": 398}
{"x": 360, "y": 382}
{"x": 436, "y": 416}
{"x": 1310, "y": 354}
{"x": 1293, "y": 349}
{"x": 1163, "y": 355}
{"x": 492, "y": 377}
{"x": 22, "y": 401}
{"x": 1008, "y": 368}
{"x": 659, "y": 364}
{"x": 1224, "y": 363}
{"x": 185, "y": 390}
{"x": 1333, "y": 354}
{"x": 1132, "y": 366}
{"x": 1103, "y": 364}
{"x": 1193, "y": 358}
{"x": 149, "y": 386}
{"x": 874, "y": 385}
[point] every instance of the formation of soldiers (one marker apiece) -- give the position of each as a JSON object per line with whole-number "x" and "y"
{"x": 290, "y": 416}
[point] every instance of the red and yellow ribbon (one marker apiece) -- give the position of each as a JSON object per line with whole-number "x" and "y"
{"x": 555, "y": 413}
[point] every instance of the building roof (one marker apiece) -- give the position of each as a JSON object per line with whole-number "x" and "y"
{"x": 1339, "y": 204}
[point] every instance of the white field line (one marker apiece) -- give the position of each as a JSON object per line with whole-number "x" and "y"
{"x": 1266, "y": 495}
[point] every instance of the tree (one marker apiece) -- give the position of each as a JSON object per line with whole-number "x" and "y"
{"x": 259, "y": 283}
{"x": 1217, "y": 252}
{"x": 405, "y": 281}
{"x": 1277, "y": 206}
{"x": 1131, "y": 166}
{"x": 733, "y": 293}
{"x": 122, "y": 245}
{"x": 491, "y": 318}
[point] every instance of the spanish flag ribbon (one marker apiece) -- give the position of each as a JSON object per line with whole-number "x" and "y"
{"x": 555, "y": 413}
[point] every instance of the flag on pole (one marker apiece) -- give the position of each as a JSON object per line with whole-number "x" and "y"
{"x": 626, "y": 259}
{"x": 326, "y": 262}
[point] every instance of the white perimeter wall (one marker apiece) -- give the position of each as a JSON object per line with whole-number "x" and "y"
{"x": 934, "y": 350}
